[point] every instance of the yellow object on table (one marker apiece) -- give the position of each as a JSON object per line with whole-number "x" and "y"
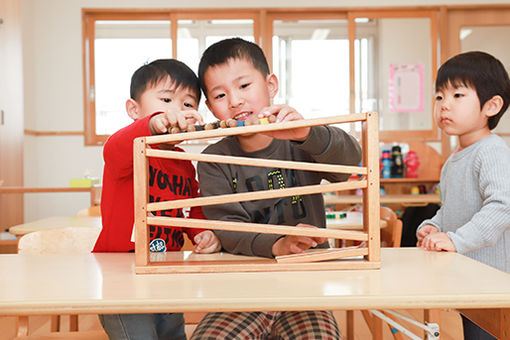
{"x": 83, "y": 182}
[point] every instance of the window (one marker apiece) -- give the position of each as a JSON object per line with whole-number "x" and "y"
{"x": 121, "y": 47}
{"x": 327, "y": 62}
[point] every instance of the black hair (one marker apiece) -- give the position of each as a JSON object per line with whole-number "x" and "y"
{"x": 480, "y": 71}
{"x": 233, "y": 48}
{"x": 152, "y": 73}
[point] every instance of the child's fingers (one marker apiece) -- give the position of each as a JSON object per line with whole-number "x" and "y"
{"x": 282, "y": 112}
{"x": 287, "y": 114}
{"x": 316, "y": 240}
{"x": 160, "y": 124}
{"x": 193, "y": 117}
{"x": 201, "y": 240}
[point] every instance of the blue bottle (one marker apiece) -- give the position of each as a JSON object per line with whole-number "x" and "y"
{"x": 386, "y": 164}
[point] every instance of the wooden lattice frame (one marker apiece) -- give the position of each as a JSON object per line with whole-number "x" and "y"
{"x": 366, "y": 257}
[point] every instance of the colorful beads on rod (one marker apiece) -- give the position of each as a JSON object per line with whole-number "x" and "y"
{"x": 224, "y": 124}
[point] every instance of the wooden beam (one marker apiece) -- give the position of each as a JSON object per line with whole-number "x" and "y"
{"x": 256, "y": 195}
{"x": 257, "y": 228}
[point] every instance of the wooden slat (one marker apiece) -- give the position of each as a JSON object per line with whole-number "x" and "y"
{"x": 371, "y": 206}
{"x": 255, "y": 195}
{"x": 250, "y": 266}
{"x": 257, "y": 228}
{"x": 308, "y": 166}
{"x": 141, "y": 193}
{"x": 179, "y": 137}
{"x": 422, "y": 199}
{"x": 322, "y": 255}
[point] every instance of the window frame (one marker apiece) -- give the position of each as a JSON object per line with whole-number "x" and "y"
{"x": 263, "y": 19}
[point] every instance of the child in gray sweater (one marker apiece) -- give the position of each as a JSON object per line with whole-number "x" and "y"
{"x": 237, "y": 83}
{"x": 472, "y": 93}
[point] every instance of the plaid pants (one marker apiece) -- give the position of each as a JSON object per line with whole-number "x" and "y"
{"x": 305, "y": 325}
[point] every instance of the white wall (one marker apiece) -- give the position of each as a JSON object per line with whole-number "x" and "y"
{"x": 53, "y": 84}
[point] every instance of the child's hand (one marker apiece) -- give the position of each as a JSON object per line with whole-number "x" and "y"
{"x": 207, "y": 242}
{"x": 163, "y": 122}
{"x": 285, "y": 113}
{"x": 424, "y": 231}
{"x": 292, "y": 244}
{"x": 438, "y": 241}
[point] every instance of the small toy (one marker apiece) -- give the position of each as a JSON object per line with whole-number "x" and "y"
{"x": 223, "y": 124}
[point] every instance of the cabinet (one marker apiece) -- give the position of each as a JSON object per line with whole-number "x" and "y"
{"x": 11, "y": 112}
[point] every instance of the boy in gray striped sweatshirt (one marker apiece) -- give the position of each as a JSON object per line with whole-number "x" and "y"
{"x": 472, "y": 93}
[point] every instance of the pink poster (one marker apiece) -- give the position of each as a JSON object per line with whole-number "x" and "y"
{"x": 406, "y": 87}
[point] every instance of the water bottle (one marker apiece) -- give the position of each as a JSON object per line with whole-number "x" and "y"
{"x": 397, "y": 165}
{"x": 386, "y": 164}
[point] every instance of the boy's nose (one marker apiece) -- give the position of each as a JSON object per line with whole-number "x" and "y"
{"x": 235, "y": 100}
{"x": 444, "y": 104}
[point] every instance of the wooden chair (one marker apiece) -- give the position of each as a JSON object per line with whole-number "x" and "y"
{"x": 71, "y": 240}
{"x": 94, "y": 210}
{"x": 392, "y": 234}
{"x": 390, "y": 237}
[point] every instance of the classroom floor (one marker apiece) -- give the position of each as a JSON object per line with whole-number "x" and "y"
{"x": 451, "y": 328}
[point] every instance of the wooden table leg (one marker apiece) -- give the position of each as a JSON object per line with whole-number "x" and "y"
{"x": 350, "y": 324}
{"x": 496, "y": 321}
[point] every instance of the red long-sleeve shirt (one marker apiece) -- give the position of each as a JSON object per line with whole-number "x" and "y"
{"x": 169, "y": 179}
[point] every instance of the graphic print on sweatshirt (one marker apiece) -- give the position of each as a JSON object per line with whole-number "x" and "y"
{"x": 164, "y": 187}
{"x": 273, "y": 179}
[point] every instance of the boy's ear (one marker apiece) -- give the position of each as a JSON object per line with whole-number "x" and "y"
{"x": 132, "y": 109}
{"x": 493, "y": 106}
{"x": 272, "y": 84}
{"x": 208, "y": 105}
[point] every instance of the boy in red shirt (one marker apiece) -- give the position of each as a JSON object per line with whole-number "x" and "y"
{"x": 164, "y": 94}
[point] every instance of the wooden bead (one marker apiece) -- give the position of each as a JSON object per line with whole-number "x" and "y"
{"x": 191, "y": 128}
{"x": 174, "y": 130}
{"x": 272, "y": 118}
{"x": 223, "y": 124}
{"x": 264, "y": 121}
{"x": 199, "y": 127}
{"x": 209, "y": 126}
{"x": 240, "y": 123}
{"x": 231, "y": 122}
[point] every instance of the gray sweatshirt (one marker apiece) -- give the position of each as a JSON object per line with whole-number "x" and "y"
{"x": 475, "y": 191}
{"x": 325, "y": 144}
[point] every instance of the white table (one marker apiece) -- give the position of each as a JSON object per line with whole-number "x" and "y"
{"x": 55, "y": 223}
{"x": 409, "y": 278}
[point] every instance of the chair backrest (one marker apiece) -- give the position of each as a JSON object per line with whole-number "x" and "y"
{"x": 392, "y": 233}
{"x": 70, "y": 240}
{"x": 94, "y": 210}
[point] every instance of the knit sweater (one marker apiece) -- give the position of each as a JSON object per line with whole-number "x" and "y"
{"x": 169, "y": 179}
{"x": 324, "y": 145}
{"x": 475, "y": 192}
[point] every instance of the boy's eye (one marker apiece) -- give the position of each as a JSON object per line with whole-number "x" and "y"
{"x": 166, "y": 100}
{"x": 219, "y": 96}
{"x": 458, "y": 95}
{"x": 243, "y": 86}
{"x": 189, "y": 105}
{"x": 439, "y": 97}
